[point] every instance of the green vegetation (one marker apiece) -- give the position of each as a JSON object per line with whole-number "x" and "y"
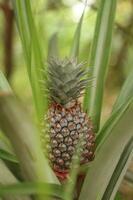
{"x": 45, "y": 29}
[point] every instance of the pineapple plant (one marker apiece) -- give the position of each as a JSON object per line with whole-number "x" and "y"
{"x": 66, "y": 81}
{"x": 68, "y": 122}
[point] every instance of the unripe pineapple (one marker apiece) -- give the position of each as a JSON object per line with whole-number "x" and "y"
{"x": 68, "y": 123}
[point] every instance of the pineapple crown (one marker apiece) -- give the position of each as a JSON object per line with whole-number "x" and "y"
{"x": 66, "y": 80}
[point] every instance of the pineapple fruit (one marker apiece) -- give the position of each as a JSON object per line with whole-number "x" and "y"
{"x": 68, "y": 123}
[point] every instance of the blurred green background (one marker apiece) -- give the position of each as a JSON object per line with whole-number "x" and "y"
{"x": 62, "y": 16}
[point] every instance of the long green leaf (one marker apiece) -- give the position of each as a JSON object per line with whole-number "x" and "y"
{"x": 121, "y": 104}
{"x": 5, "y": 89}
{"x": 107, "y": 128}
{"x": 32, "y": 188}
{"x": 119, "y": 172}
{"x": 111, "y": 123}
{"x": 32, "y": 51}
{"x": 99, "y": 59}
{"x": 24, "y": 31}
{"x": 74, "y": 53}
{"x": 23, "y": 136}
{"x": 25, "y": 140}
{"x": 107, "y": 158}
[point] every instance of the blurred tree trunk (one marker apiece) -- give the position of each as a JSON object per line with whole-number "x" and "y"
{"x": 8, "y": 36}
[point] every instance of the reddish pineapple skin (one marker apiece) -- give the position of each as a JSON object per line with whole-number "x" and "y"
{"x": 67, "y": 125}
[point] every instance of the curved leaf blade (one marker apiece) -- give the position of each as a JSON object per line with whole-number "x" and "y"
{"x": 111, "y": 123}
{"x": 99, "y": 58}
{"x": 25, "y": 140}
{"x": 100, "y": 172}
{"x": 33, "y": 54}
{"x": 119, "y": 171}
{"x": 23, "y": 136}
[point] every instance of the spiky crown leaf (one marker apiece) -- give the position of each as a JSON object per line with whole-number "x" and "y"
{"x": 66, "y": 80}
